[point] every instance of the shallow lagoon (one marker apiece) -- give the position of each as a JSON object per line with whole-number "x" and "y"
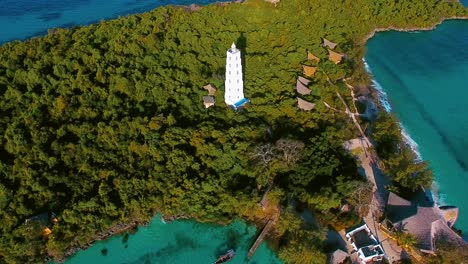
{"x": 177, "y": 242}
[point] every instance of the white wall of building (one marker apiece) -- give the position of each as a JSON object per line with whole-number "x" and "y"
{"x": 234, "y": 85}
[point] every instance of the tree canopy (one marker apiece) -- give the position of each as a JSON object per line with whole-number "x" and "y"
{"x": 105, "y": 124}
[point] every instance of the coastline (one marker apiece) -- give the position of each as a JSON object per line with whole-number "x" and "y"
{"x": 385, "y": 104}
{"x": 133, "y": 224}
{"x": 121, "y": 228}
{"x": 410, "y": 29}
{"x": 114, "y": 230}
{"x": 380, "y": 97}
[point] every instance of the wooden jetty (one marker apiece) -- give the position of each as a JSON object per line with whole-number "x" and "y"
{"x": 261, "y": 237}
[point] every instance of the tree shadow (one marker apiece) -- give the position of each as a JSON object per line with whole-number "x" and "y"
{"x": 241, "y": 44}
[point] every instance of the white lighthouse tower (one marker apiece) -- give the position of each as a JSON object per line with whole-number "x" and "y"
{"x": 234, "y": 85}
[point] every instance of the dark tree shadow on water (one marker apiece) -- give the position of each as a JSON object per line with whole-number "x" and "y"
{"x": 182, "y": 243}
{"x": 233, "y": 242}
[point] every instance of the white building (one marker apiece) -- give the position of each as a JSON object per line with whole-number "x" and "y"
{"x": 234, "y": 85}
{"x": 365, "y": 244}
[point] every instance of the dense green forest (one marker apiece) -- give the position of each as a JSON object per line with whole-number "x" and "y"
{"x": 105, "y": 124}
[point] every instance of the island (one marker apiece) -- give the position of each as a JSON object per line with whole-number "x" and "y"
{"x": 108, "y": 124}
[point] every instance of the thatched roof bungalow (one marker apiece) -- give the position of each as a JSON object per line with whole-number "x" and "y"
{"x": 304, "y": 105}
{"x": 312, "y": 57}
{"x": 208, "y": 101}
{"x": 338, "y": 257}
{"x": 46, "y": 231}
{"x": 303, "y": 80}
{"x": 210, "y": 88}
{"x": 335, "y": 57}
{"x": 365, "y": 244}
{"x": 301, "y": 88}
{"x": 329, "y": 44}
{"x": 425, "y": 223}
{"x": 450, "y": 214}
{"x": 309, "y": 71}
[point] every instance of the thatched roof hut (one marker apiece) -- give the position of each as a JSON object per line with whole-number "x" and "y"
{"x": 301, "y": 88}
{"x": 311, "y": 56}
{"x": 208, "y": 101}
{"x": 46, "y": 231}
{"x": 304, "y": 105}
{"x": 426, "y": 224}
{"x": 449, "y": 213}
{"x": 275, "y": 2}
{"x": 309, "y": 71}
{"x": 327, "y": 43}
{"x": 303, "y": 80}
{"x": 210, "y": 88}
{"x": 338, "y": 257}
{"x": 335, "y": 57}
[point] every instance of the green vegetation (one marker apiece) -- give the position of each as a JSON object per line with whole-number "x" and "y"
{"x": 397, "y": 156}
{"x": 104, "y": 124}
{"x": 447, "y": 253}
{"x": 405, "y": 239}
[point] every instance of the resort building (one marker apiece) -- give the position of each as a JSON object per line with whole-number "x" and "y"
{"x": 335, "y": 57}
{"x": 302, "y": 88}
{"x": 365, "y": 245}
{"x": 210, "y": 88}
{"x": 329, "y": 44}
{"x": 208, "y": 101}
{"x": 312, "y": 57}
{"x": 338, "y": 256}
{"x": 304, "y": 105}
{"x": 424, "y": 220}
{"x": 234, "y": 85}
{"x": 309, "y": 71}
{"x": 303, "y": 80}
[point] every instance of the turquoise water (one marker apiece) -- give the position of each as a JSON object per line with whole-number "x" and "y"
{"x": 178, "y": 242}
{"x": 21, "y": 19}
{"x": 425, "y": 76}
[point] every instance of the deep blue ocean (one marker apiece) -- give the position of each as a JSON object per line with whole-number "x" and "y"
{"x": 21, "y": 19}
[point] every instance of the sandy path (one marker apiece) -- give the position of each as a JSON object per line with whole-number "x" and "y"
{"x": 370, "y": 170}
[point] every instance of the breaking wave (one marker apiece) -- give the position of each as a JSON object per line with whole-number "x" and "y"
{"x": 383, "y": 98}
{"x": 438, "y": 197}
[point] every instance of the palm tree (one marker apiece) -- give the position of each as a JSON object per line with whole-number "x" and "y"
{"x": 404, "y": 239}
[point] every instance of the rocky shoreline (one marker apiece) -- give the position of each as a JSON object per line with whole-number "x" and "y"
{"x": 410, "y": 29}
{"x": 120, "y": 228}
{"x": 116, "y": 229}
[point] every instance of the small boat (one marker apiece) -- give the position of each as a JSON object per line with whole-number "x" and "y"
{"x": 226, "y": 257}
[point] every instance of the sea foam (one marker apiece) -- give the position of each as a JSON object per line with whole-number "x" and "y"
{"x": 383, "y": 97}
{"x": 384, "y": 100}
